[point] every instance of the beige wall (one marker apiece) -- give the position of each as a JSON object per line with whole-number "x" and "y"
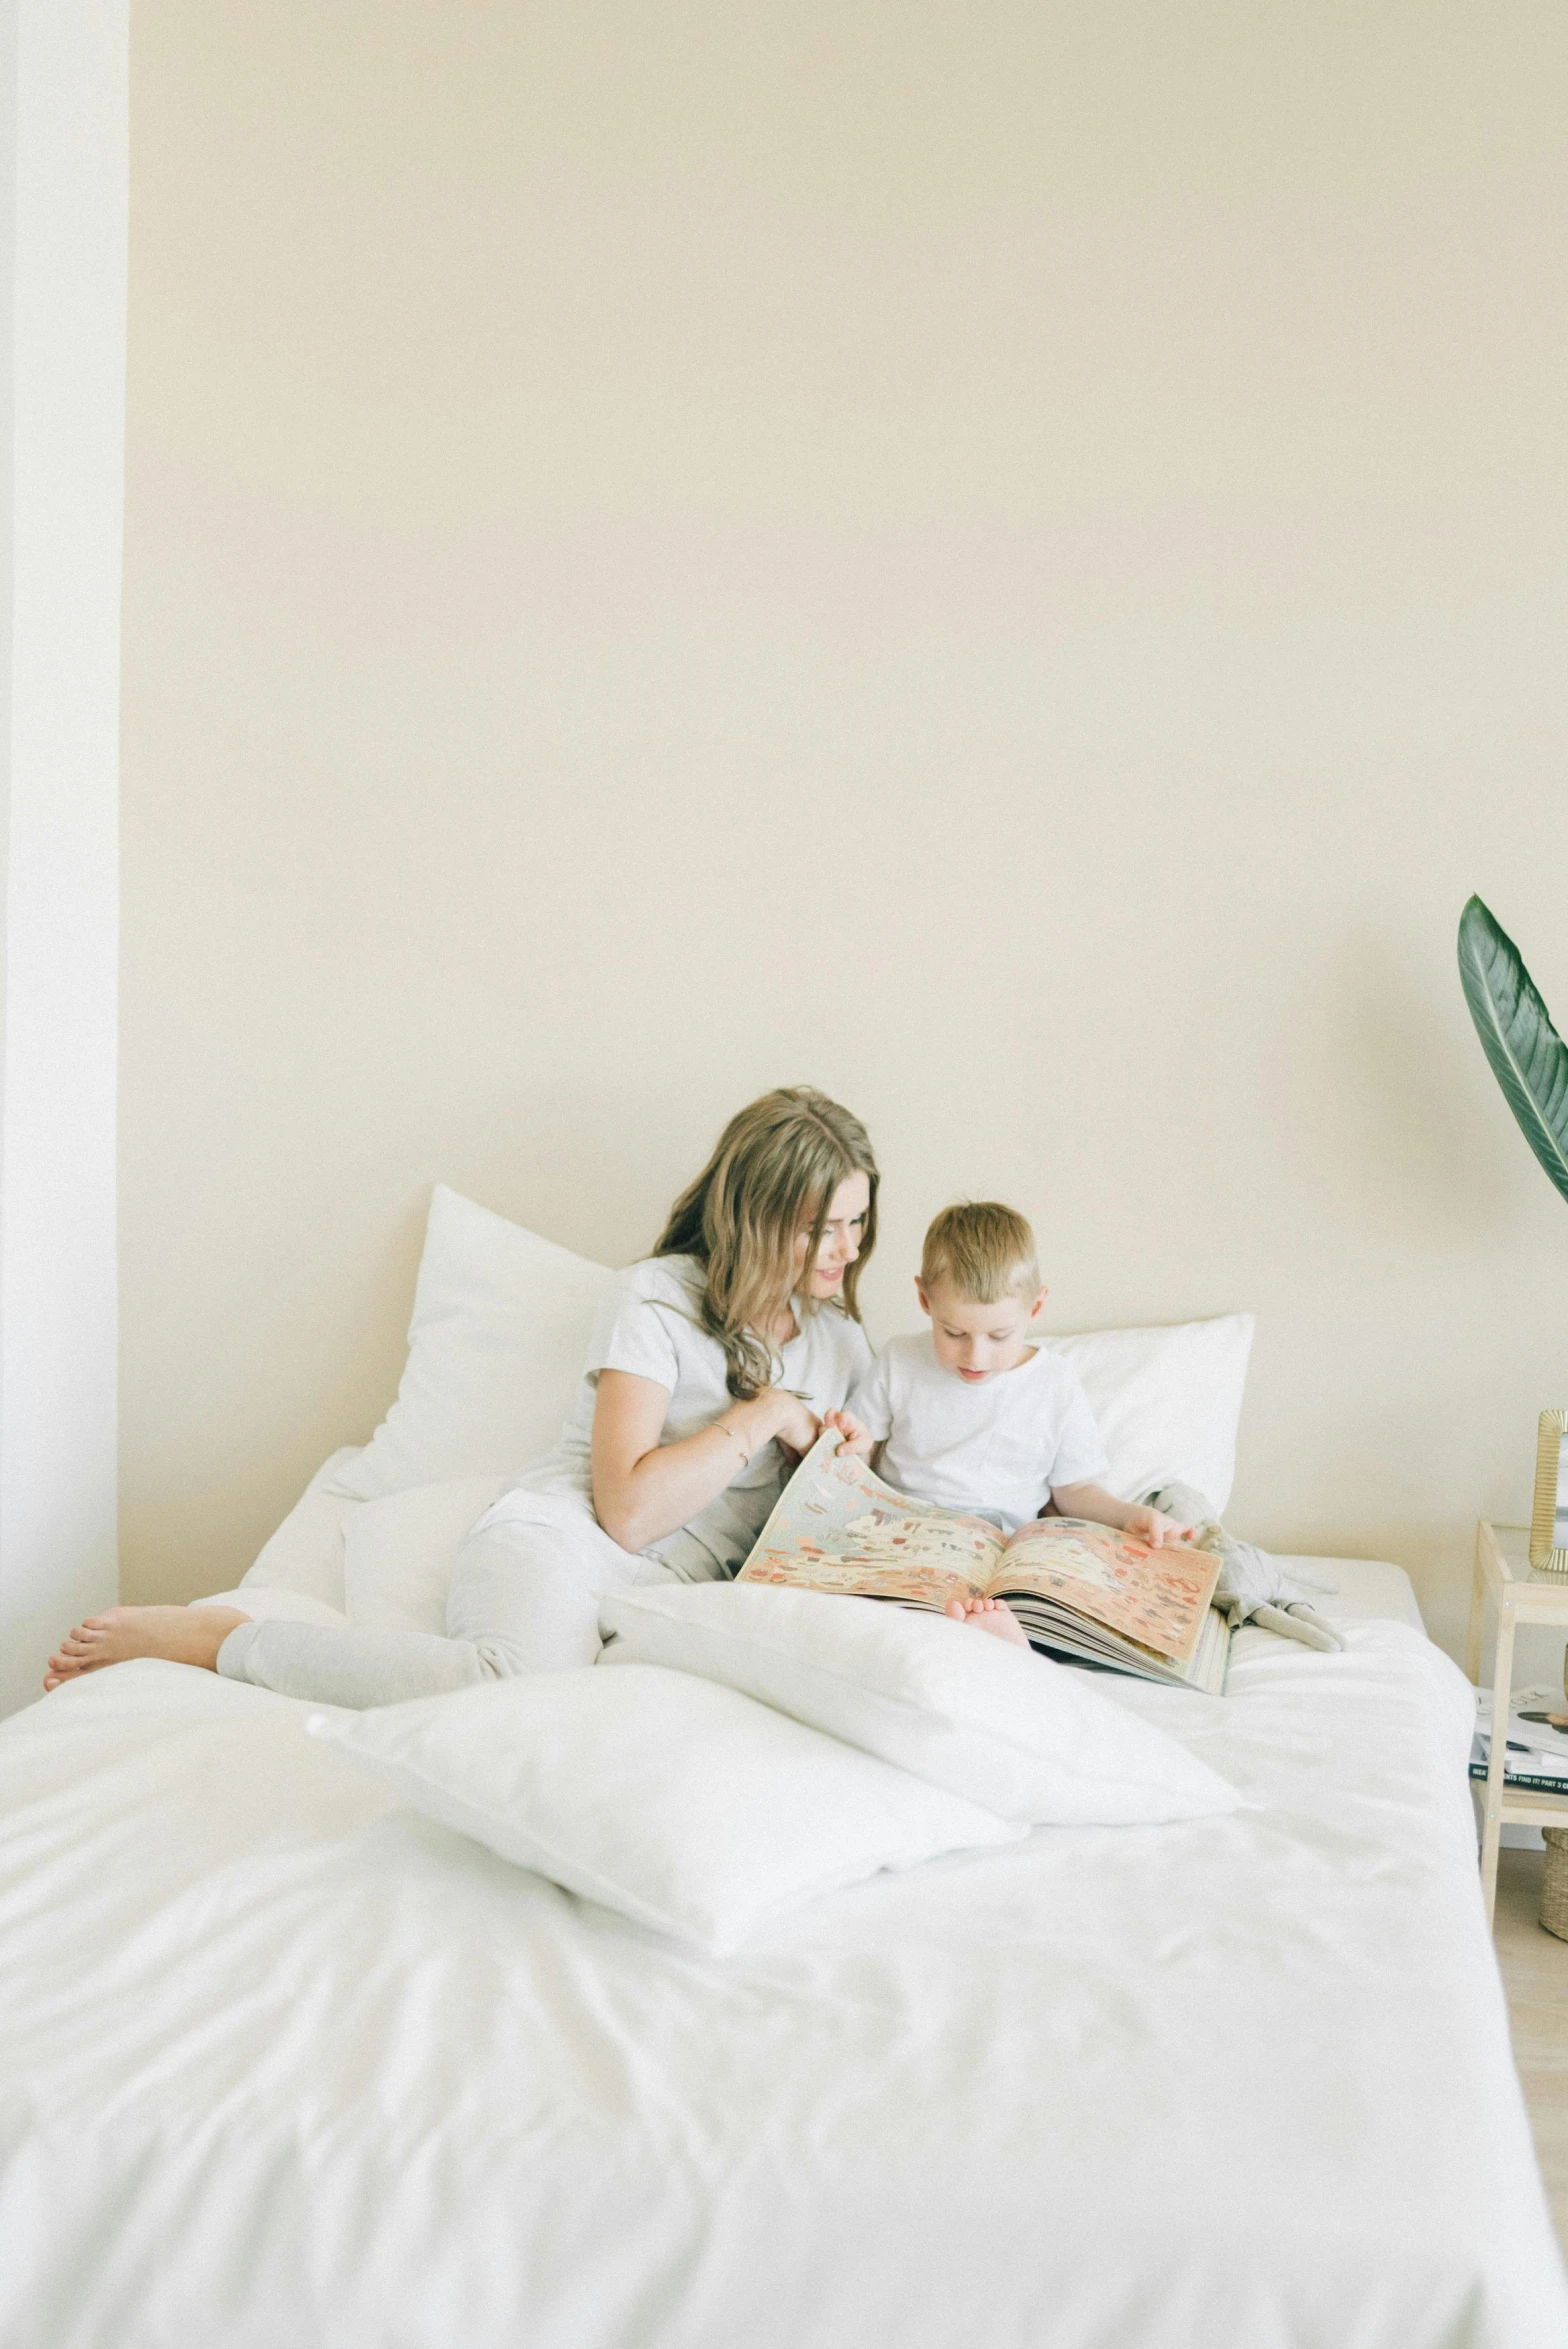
{"x": 1007, "y": 560}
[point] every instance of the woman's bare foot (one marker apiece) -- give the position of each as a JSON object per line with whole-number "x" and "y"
{"x": 992, "y": 1615}
{"x": 180, "y": 1635}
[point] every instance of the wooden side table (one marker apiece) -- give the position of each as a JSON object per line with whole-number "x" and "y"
{"x": 1503, "y": 1574}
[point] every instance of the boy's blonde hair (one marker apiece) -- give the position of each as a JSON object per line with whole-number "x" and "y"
{"x": 773, "y": 1175}
{"x": 983, "y": 1250}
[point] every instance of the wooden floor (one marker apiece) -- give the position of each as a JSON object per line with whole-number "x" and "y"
{"x": 1535, "y": 1976}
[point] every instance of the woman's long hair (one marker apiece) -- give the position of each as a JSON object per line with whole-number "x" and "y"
{"x": 777, "y": 1165}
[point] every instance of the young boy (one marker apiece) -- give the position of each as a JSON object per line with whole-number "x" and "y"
{"x": 979, "y": 1414}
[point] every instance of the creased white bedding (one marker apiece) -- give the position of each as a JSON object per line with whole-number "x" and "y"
{"x": 285, "y": 2066}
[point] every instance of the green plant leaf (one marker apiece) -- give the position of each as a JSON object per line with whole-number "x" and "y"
{"x": 1529, "y": 1059}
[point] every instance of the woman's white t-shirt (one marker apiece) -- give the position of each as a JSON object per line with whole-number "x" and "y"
{"x": 1000, "y": 1446}
{"x": 650, "y": 1324}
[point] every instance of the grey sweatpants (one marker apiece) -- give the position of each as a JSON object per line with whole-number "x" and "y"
{"x": 524, "y": 1597}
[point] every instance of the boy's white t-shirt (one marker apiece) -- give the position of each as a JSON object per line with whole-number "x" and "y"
{"x": 650, "y": 1324}
{"x": 1001, "y": 1446}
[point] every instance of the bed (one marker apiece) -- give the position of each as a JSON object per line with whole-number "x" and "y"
{"x": 286, "y": 2064}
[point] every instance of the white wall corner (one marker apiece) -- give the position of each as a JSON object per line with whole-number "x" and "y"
{"x": 64, "y": 110}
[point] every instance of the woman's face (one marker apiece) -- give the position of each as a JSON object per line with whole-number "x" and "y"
{"x": 840, "y": 1243}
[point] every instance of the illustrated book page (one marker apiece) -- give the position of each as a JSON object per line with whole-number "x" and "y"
{"x": 837, "y": 1527}
{"x": 1082, "y": 1589}
{"x": 1157, "y": 1597}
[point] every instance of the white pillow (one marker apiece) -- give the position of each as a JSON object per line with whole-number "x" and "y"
{"x": 306, "y": 1552}
{"x": 502, "y": 1321}
{"x": 276, "y": 1603}
{"x": 398, "y": 1554}
{"x": 501, "y": 1325}
{"x": 679, "y": 1803}
{"x": 1166, "y": 1402}
{"x": 1030, "y": 1739}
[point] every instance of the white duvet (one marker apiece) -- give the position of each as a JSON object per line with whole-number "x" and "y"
{"x": 285, "y": 2066}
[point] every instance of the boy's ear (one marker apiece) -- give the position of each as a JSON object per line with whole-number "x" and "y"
{"x": 1040, "y": 1297}
{"x": 920, "y": 1292}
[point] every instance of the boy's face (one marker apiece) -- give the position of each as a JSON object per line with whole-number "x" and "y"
{"x": 978, "y": 1342}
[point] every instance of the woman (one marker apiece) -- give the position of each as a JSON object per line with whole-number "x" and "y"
{"x": 714, "y": 1364}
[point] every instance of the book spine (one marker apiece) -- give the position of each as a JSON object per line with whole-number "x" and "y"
{"x": 1543, "y": 1784}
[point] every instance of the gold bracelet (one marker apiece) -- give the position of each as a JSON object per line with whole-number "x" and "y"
{"x": 725, "y": 1429}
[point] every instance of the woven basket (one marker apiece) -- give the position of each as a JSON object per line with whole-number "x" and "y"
{"x": 1554, "y": 1882}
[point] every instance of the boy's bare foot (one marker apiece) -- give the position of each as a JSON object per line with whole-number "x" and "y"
{"x": 180, "y": 1635}
{"x": 992, "y": 1615}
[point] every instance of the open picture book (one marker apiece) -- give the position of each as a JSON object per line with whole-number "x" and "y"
{"x": 1080, "y": 1590}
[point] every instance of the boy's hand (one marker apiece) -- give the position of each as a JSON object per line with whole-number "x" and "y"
{"x": 857, "y": 1441}
{"x": 1154, "y": 1527}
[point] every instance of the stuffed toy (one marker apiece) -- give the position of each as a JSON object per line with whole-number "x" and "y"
{"x": 1253, "y": 1587}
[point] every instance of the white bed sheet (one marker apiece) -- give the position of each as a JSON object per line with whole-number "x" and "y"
{"x": 284, "y": 2066}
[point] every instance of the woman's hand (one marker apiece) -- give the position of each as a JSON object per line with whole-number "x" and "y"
{"x": 796, "y": 1426}
{"x": 644, "y": 1489}
{"x": 857, "y": 1440}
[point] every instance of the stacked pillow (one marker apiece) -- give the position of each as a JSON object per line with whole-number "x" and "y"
{"x": 502, "y": 1321}
{"x": 1034, "y": 1741}
{"x": 1166, "y": 1402}
{"x": 501, "y": 1324}
{"x": 675, "y": 1801}
{"x": 739, "y": 1751}
{"x": 750, "y": 1747}
{"x": 500, "y": 1327}
{"x": 398, "y": 1553}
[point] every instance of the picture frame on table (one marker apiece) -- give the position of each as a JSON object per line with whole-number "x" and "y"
{"x": 1549, "y": 1517}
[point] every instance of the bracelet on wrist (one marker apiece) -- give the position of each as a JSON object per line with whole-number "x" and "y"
{"x": 724, "y": 1428}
